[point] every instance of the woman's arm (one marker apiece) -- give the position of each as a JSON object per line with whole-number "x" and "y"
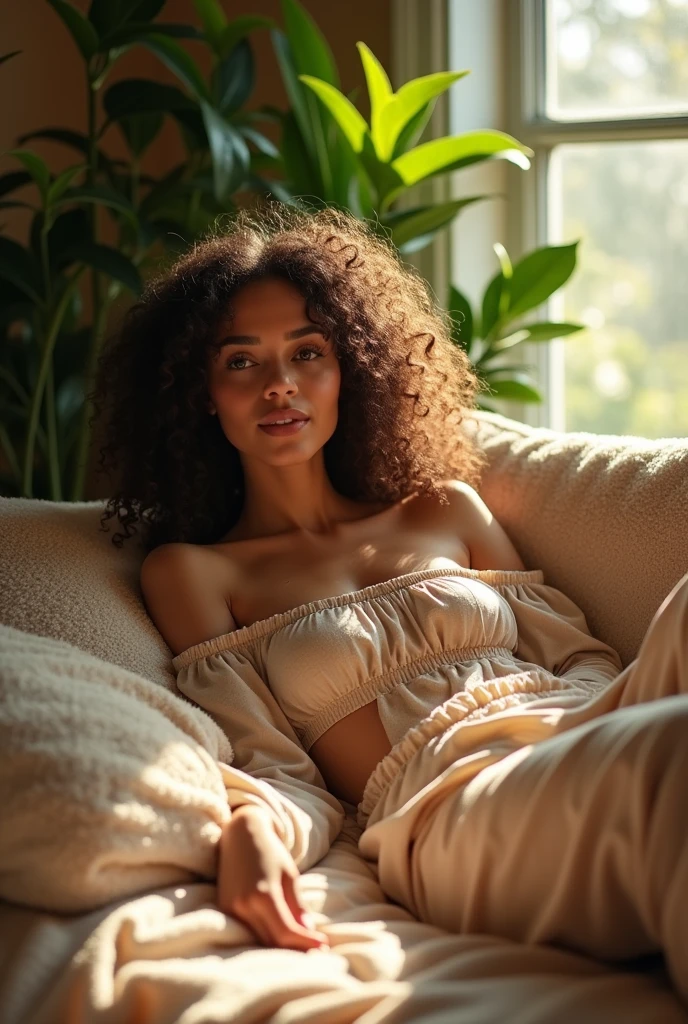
{"x": 270, "y": 768}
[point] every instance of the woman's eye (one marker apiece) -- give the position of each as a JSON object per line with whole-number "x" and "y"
{"x": 232, "y": 364}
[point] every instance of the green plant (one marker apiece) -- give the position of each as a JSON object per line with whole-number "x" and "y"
{"x": 329, "y": 155}
{"x": 514, "y": 290}
{"x": 332, "y": 156}
{"x": 46, "y": 366}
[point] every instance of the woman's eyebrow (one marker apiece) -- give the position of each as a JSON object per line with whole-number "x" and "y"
{"x": 249, "y": 339}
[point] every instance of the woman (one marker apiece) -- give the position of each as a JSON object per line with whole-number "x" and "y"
{"x": 339, "y": 598}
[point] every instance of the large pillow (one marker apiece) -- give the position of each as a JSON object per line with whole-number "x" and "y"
{"x": 605, "y": 516}
{"x": 63, "y": 577}
{"x": 109, "y": 785}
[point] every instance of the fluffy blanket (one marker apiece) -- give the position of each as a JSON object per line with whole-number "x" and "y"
{"x": 109, "y": 784}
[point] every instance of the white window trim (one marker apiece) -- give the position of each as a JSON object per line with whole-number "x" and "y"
{"x": 528, "y": 206}
{"x": 503, "y": 44}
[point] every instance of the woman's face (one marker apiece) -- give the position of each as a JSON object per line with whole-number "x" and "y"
{"x": 273, "y": 358}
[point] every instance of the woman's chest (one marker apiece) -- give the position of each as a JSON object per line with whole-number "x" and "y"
{"x": 263, "y": 583}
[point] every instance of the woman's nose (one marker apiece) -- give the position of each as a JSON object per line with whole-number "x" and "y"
{"x": 280, "y": 380}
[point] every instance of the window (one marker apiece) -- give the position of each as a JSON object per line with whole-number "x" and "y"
{"x": 600, "y": 92}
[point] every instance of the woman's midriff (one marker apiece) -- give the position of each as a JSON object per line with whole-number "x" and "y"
{"x": 349, "y": 751}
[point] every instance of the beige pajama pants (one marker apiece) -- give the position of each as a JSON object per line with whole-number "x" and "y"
{"x": 575, "y": 833}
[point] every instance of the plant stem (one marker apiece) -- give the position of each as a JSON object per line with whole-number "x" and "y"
{"x": 83, "y": 444}
{"x": 52, "y": 331}
{"x": 50, "y": 412}
{"x": 84, "y": 440}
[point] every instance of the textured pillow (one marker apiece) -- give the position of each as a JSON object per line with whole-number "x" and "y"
{"x": 109, "y": 785}
{"x": 604, "y": 516}
{"x": 63, "y": 577}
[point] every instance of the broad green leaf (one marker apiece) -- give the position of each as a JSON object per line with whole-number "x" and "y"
{"x": 490, "y": 306}
{"x": 311, "y": 52}
{"x": 407, "y": 225}
{"x": 359, "y": 196}
{"x": 62, "y": 182}
{"x": 231, "y": 156}
{"x": 260, "y": 141}
{"x": 108, "y": 261}
{"x": 320, "y": 120}
{"x": 70, "y": 227}
{"x": 12, "y": 180}
{"x": 538, "y": 275}
{"x": 140, "y": 130}
{"x": 36, "y": 166}
{"x": 76, "y": 140}
{"x": 81, "y": 30}
{"x": 145, "y": 10}
{"x": 103, "y": 196}
{"x": 235, "y": 75}
{"x": 460, "y": 308}
{"x": 241, "y": 27}
{"x": 177, "y": 60}
{"x": 139, "y": 31}
{"x": 299, "y": 167}
{"x": 408, "y": 101}
{"x": 452, "y": 152}
{"x": 352, "y": 124}
{"x": 213, "y": 19}
{"x": 412, "y": 131}
{"x": 507, "y": 274}
{"x": 490, "y": 372}
{"x": 546, "y": 330}
{"x": 108, "y": 15}
{"x": 296, "y": 93}
{"x": 7, "y": 204}
{"x": 535, "y": 333}
{"x": 514, "y": 390}
{"x": 18, "y": 266}
{"x": 504, "y": 261}
{"x": 379, "y": 89}
{"x": 143, "y": 96}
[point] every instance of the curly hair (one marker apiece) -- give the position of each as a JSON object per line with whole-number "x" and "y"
{"x": 404, "y": 383}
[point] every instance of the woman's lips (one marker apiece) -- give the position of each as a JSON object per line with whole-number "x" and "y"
{"x": 283, "y": 429}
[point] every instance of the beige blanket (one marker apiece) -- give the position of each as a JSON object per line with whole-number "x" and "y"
{"x": 109, "y": 784}
{"x": 171, "y": 956}
{"x": 112, "y": 802}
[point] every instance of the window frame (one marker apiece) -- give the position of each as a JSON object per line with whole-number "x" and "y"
{"x": 527, "y": 209}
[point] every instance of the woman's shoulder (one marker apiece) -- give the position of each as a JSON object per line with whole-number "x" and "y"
{"x": 489, "y": 544}
{"x": 184, "y": 588}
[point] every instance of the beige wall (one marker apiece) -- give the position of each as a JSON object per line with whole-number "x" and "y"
{"x": 45, "y": 84}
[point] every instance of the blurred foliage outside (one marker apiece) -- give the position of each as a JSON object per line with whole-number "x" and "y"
{"x": 628, "y": 202}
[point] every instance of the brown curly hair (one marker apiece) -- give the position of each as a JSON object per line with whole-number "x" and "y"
{"x": 404, "y": 383}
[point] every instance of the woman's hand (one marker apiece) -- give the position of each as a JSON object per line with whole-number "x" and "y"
{"x": 256, "y": 882}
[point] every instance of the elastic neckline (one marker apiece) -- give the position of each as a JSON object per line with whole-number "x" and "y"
{"x": 245, "y": 634}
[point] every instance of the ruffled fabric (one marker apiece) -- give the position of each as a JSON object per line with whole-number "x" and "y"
{"x": 488, "y": 699}
{"x": 436, "y": 649}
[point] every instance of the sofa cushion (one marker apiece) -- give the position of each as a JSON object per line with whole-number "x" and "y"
{"x": 604, "y": 516}
{"x": 64, "y": 578}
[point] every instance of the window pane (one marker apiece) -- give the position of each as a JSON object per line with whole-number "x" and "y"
{"x": 616, "y": 58}
{"x": 628, "y": 203}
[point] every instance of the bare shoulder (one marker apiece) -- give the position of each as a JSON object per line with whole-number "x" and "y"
{"x": 184, "y": 591}
{"x": 489, "y": 544}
